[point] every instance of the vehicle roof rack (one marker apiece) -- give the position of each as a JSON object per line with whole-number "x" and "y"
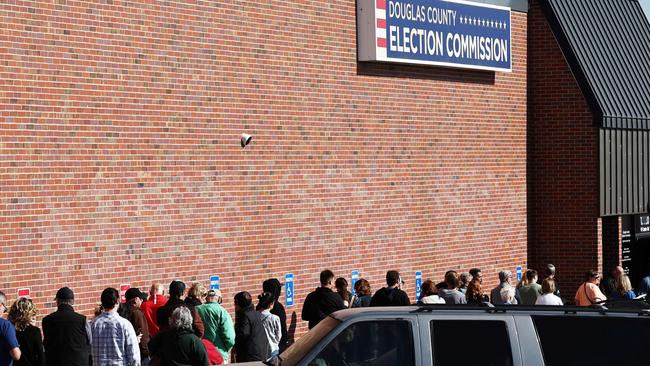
{"x": 489, "y": 308}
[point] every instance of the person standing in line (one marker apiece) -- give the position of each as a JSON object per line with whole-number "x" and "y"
{"x": 270, "y": 322}
{"x": 589, "y": 293}
{"x": 475, "y": 293}
{"x": 507, "y": 296}
{"x": 23, "y": 314}
{"x": 504, "y": 281}
{"x": 530, "y": 291}
{"x": 644, "y": 283}
{"x": 66, "y": 334}
{"x": 450, "y": 294}
{"x": 549, "y": 272}
{"x": 149, "y": 308}
{"x": 623, "y": 289}
{"x": 134, "y": 297}
{"x": 274, "y": 287}
{"x": 114, "y": 342}
{"x": 195, "y": 295}
{"x": 465, "y": 278}
{"x": 363, "y": 294}
{"x": 429, "y": 294}
{"x": 250, "y": 338}
{"x": 548, "y": 296}
{"x": 392, "y": 294}
{"x": 218, "y": 325}
{"x": 176, "y": 292}
{"x": 608, "y": 287}
{"x": 476, "y": 274}
{"x": 341, "y": 285}
{"x": 177, "y": 345}
{"x": 322, "y": 301}
{"x": 9, "y": 346}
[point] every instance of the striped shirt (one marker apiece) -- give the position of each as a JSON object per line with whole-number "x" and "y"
{"x": 114, "y": 342}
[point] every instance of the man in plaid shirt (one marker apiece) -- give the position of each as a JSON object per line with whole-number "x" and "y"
{"x": 114, "y": 342}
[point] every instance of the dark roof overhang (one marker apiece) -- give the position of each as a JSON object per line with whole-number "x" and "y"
{"x": 607, "y": 46}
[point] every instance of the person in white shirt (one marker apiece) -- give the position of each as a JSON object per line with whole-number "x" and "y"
{"x": 270, "y": 322}
{"x": 548, "y": 297}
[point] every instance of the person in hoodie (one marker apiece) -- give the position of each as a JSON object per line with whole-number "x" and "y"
{"x": 392, "y": 295}
{"x": 270, "y": 322}
{"x": 322, "y": 301}
{"x": 251, "y": 343}
{"x": 274, "y": 287}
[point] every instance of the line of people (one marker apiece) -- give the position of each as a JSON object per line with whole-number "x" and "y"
{"x": 464, "y": 288}
{"x": 190, "y": 329}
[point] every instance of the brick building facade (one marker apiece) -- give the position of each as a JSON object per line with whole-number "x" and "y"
{"x": 120, "y": 159}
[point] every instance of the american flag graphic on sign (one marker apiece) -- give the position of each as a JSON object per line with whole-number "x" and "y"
{"x": 380, "y": 18}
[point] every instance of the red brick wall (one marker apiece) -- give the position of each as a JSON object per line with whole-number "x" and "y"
{"x": 120, "y": 159}
{"x": 564, "y": 225}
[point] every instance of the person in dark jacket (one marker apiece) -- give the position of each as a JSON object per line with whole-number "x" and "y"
{"x": 178, "y": 345}
{"x": 176, "y": 291}
{"x": 322, "y": 301}
{"x": 21, "y": 314}
{"x": 274, "y": 287}
{"x": 135, "y": 297}
{"x": 251, "y": 343}
{"x": 66, "y": 334}
{"x": 392, "y": 295}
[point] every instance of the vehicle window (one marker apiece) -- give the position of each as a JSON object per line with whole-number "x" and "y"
{"x": 490, "y": 345}
{"x": 376, "y": 343}
{"x": 304, "y": 344}
{"x": 593, "y": 340}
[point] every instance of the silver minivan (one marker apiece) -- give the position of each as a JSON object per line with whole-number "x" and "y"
{"x": 440, "y": 335}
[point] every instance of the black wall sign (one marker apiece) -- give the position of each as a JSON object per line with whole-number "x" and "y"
{"x": 642, "y": 226}
{"x": 626, "y": 243}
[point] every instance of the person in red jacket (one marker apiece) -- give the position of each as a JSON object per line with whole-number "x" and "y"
{"x": 151, "y": 306}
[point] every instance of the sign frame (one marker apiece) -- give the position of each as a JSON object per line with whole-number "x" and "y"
{"x": 215, "y": 283}
{"x": 353, "y": 279}
{"x": 289, "y": 293}
{"x": 373, "y": 32}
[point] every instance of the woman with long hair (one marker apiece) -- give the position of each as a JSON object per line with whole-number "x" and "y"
{"x": 341, "y": 285}
{"x": 429, "y": 294}
{"x": 623, "y": 289}
{"x": 23, "y": 314}
{"x": 475, "y": 294}
{"x": 363, "y": 294}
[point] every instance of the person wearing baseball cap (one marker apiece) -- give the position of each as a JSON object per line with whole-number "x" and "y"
{"x": 504, "y": 281}
{"x": 66, "y": 334}
{"x": 134, "y": 298}
{"x": 217, "y": 323}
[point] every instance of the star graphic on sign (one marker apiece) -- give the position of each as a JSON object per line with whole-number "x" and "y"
{"x": 461, "y": 19}
{"x": 474, "y": 21}
{"x": 491, "y": 24}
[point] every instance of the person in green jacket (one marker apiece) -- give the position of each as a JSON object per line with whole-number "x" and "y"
{"x": 219, "y": 328}
{"x": 178, "y": 345}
